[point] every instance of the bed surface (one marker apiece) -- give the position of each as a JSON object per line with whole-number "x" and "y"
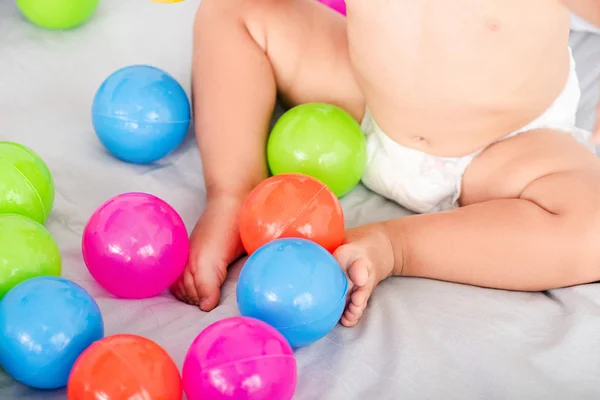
{"x": 420, "y": 339}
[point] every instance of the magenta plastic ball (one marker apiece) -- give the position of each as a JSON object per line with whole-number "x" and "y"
{"x": 135, "y": 245}
{"x": 337, "y": 5}
{"x": 239, "y": 358}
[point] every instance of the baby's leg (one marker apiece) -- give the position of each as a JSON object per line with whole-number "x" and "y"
{"x": 530, "y": 221}
{"x": 245, "y": 52}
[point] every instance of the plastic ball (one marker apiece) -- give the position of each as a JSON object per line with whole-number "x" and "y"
{"x": 140, "y": 114}
{"x": 124, "y": 367}
{"x": 337, "y": 5}
{"x": 26, "y": 185}
{"x": 45, "y": 324}
{"x": 239, "y": 358}
{"x": 27, "y": 250}
{"x": 291, "y": 205}
{"x": 57, "y": 14}
{"x": 319, "y": 140}
{"x": 294, "y": 285}
{"x": 135, "y": 245}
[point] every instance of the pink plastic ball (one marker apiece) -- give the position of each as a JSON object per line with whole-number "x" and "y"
{"x": 239, "y": 358}
{"x": 337, "y": 5}
{"x": 135, "y": 245}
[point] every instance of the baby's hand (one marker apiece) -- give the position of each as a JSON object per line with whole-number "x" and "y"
{"x": 367, "y": 256}
{"x": 215, "y": 243}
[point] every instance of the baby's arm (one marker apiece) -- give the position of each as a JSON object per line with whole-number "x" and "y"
{"x": 529, "y": 219}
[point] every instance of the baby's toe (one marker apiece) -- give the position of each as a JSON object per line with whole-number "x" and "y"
{"x": 209, "y": 295}
{"x": 207, "y": 286}
{"x": 177, "y": 289}
{"x": 190, "y": 294}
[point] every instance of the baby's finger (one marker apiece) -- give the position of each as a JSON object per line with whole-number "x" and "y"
{"x": 191, "y": 294}
{"x": 345, "y": 256}
{"x": 358, "y": 272}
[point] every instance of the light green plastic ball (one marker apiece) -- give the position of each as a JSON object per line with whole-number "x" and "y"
{"x": 320, "y": 140}
{"x": 26, "y": 185}
{"x": 57, "y": 14}
{"x": 27, "y": 250}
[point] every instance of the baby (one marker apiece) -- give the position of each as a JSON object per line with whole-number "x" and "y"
{"x": 468, "y": 108}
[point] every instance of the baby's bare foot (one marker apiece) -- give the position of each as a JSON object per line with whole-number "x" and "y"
{"x": 368, "y": 258}
{"x": 214, "y": 244}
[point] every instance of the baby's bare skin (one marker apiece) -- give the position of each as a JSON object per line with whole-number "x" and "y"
{"x": 449, "y": 78}
{"x": 446, "y": 78}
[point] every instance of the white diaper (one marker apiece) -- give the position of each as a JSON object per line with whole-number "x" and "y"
{"x": 424, "y": 183}
{"x": 581, "y": 25}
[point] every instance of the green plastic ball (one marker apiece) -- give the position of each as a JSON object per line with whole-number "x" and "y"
{"x": 57, "y": 14}
{"x": 27, "y": 250}
{"x": 320, "y": 140}
{"x": 26, "y": 185}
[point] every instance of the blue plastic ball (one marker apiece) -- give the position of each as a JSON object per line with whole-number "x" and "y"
{"x": 45, "y": 324}
{"x": 294, "y": 285}
{"x": 140, "y": 114}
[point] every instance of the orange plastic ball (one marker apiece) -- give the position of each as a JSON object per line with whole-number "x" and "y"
{"x": 124, "y": 367}
{"x": 291, "y": 205}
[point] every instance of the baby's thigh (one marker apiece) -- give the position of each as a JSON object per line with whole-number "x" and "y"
{"x": 307, "y": 46}
{"x": 520, "y": 167}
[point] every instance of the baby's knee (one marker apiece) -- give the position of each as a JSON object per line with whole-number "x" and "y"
{"x": 216, "y": 18}
{"x": 236, "y": 10}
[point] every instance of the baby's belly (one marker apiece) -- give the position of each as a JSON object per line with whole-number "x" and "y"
{"x": 450, "y": 77}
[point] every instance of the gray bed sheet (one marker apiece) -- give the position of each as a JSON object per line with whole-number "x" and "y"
{"x": 420, "y": 339}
